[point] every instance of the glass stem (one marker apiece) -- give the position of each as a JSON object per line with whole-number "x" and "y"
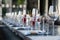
{"x": 47, "y": 29}
{"x": 43, "y": 27}
{"x": 53, "y": 29}
{"x": 43, "y": 24}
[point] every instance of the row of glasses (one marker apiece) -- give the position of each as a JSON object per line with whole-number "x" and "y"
{"x": 53, "y": 17}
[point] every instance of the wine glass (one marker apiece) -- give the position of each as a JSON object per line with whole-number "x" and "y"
{"x": 53, "y": 17}
{"x": 24, "y": 20}
{"x": 38, "y": 21}
{"x": 43, "y": 20}
{"x": 47, "y": 24}
{"x": 32, "y": 23}
{"x": 28, "y": 20}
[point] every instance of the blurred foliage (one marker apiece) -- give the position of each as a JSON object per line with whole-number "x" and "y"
{"x": 20, "y": 2}
{"x": 3, "y": 1}
{"x": 14, "y": 2}
{"x": 3, "y": 9}
{"x": 17, "y": 2}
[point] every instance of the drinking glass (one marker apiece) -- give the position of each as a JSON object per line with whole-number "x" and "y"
{"x": 53, "y": 17}
{"x": 43, "y": 18}
{"x": 24, "y": 20}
